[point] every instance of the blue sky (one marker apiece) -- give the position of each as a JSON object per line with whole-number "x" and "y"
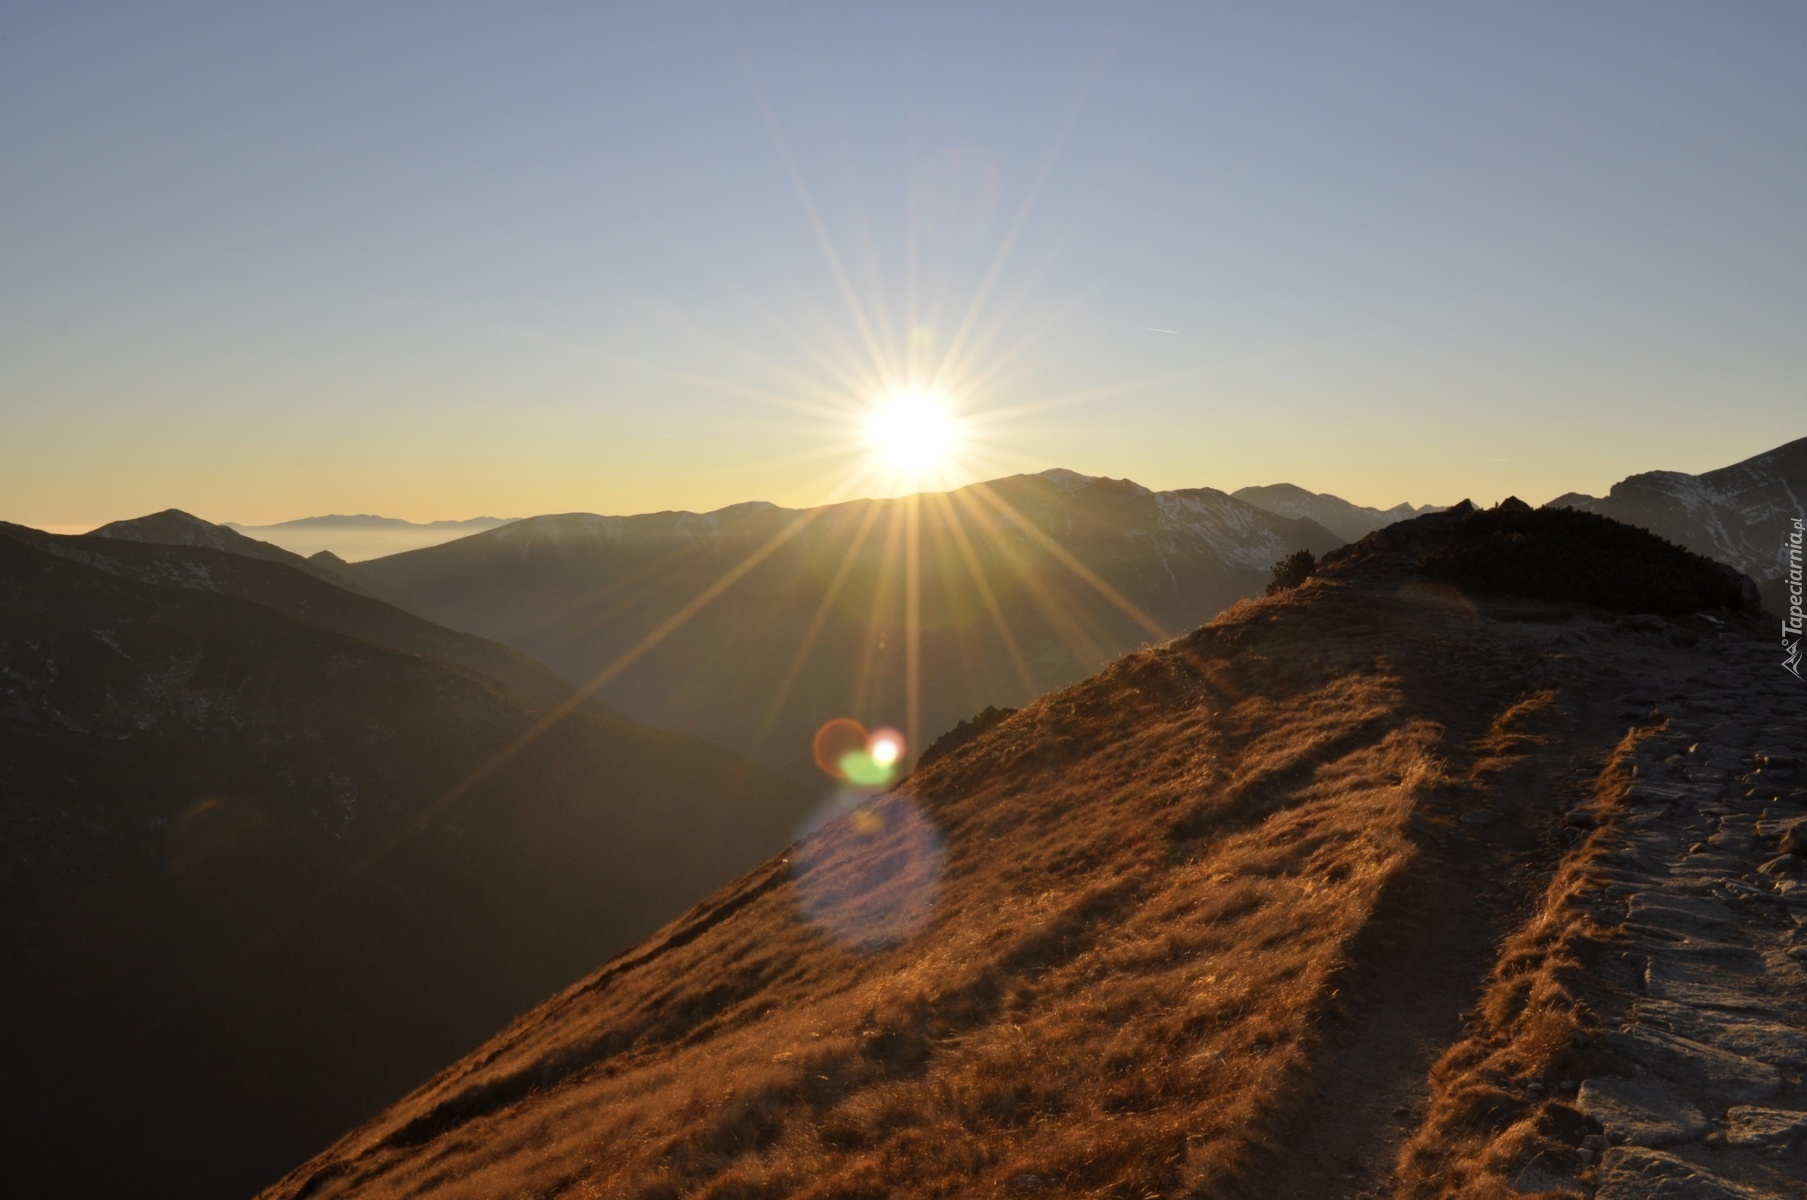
{"x": 440, "y": 260}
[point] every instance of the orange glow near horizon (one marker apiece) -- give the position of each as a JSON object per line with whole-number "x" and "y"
{"x": 912, "y": 411}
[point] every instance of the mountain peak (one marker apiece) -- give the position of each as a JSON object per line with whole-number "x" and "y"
{"x": 1789, "y": 456}
{"x": 1069, "y": 480}
{"x": 1739, "y": 514}
{"x": 1073, "y": 481}
{"x": 174, "y": 527}
{"x": 742, "y": 509}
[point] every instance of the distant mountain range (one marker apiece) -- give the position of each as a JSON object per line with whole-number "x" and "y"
{"x": 792, "y": 617}
{"x": 1351, "y": 522}
{"x": 274, "y": 851}
{"x": 363, "y": 536}
{"x": 752, "y": 625}
{"x": 1739, "y": 514}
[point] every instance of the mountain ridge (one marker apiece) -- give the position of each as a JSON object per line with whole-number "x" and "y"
{"x": 1212, "y": 921}
{"x": 174, "y": 527}
{"x": 310, "y": 596}
{"x": 1025, "y": 583}
{"x": 1739, "y": 514}
{"x": 1349, "y": 521}
{"x": 365, "y": 520}
{"x": 361, "y": 535}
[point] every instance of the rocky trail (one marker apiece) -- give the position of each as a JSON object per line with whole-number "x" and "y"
{"x": 1708, "y": 893}
{"x": 1689, "y": 1074}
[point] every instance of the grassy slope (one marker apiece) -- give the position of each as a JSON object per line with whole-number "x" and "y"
{"x": 1204, "y": 923}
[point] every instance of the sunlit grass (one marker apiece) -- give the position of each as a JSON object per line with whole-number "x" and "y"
{"x": 1137, "y": 933}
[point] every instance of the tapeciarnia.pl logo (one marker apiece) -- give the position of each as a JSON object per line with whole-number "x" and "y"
{"x": 1791, "y": 624}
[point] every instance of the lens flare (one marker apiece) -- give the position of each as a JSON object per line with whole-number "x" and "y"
{"x": 869, "y": 869}
{"x": 835, "y": 741}
{"x": 886, "y": 747}
{"x": 858, "y": 768}
{"x": 844, "y": 750}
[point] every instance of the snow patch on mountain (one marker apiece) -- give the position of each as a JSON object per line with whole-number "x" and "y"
{"x": 1236, "y": 532}
{"x": 1739, "y": 514}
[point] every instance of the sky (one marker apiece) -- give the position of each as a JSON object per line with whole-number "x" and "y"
{"x": 442, "y": 260}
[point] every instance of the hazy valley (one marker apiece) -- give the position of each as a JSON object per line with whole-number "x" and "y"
{"x": 355, "y": 538}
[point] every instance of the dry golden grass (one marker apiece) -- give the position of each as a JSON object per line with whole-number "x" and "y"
{"x": 1532, "y": 1027}
{"x": 1162, "y": 894}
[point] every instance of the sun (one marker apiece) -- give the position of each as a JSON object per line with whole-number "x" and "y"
{"x": 913, "y": 433}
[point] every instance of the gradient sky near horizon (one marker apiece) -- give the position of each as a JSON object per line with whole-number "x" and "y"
{"x": 441, "y": 260}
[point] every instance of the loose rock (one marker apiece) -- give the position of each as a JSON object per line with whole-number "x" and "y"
{"x": 1696, "y": 1067}
{"x": 1767, "y": 1128}
{"x": 1640, "y": 1112}
{"x": 1739, "y": 1033}
{"x": 1639, "y": 1174}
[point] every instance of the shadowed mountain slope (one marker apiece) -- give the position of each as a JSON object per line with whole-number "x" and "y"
{"x": 273, "y": 852}
{"x": 1739, "y": 514}
{"x": 306, "y": 596}
{"x": 1020, "y": 585}
{"x": 1351, "y": 522}
{"x": 1202, "y": 924}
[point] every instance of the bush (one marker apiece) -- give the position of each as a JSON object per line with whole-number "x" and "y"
{"x": 1292, "y": 570}
{"x": 963, "y": 733}
{"x": 1564, "y": 554}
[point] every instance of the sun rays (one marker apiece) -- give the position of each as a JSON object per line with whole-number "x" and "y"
{"x": 915, "y": 412}
{"x": 917, "y": 409}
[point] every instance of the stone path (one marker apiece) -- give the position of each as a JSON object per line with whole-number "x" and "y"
{"x": 1711, "y": 895}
